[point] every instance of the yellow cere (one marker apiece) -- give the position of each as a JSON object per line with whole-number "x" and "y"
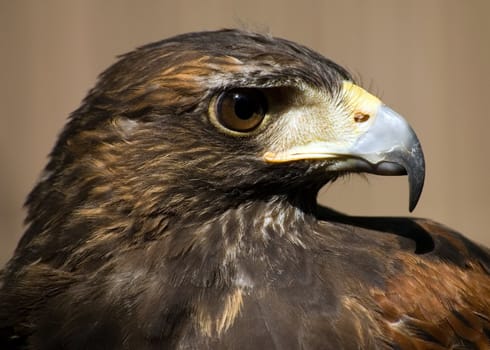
{"x": 360, "y": 100}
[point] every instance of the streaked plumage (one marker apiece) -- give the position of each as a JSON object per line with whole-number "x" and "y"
{"x": 160, "y": 223}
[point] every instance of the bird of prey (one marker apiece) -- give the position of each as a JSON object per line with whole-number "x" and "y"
{"x": 178, "y": 211}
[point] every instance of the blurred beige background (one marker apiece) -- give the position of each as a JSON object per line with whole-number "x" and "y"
{"x": 427, "y": 59}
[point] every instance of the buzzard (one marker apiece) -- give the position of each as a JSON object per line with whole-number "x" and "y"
{"x": 178, "y": 211}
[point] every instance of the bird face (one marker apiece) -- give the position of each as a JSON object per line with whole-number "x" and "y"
{"x": 222, "y": 117}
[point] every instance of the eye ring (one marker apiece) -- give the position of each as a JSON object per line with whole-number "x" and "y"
{"x": 240, "y": 110}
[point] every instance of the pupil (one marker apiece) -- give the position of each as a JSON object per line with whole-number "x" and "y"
{"x": 244, "y": 107}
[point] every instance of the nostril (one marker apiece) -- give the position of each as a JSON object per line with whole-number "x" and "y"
{"x": 360, "y": 117}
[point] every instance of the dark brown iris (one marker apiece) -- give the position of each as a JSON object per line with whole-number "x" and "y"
{"x": 241, "y": 110}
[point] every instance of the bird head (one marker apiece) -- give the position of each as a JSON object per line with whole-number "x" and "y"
{"x": 213, "y": 119}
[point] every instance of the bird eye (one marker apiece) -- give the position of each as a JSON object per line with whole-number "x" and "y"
{"x": 241, "y": 110}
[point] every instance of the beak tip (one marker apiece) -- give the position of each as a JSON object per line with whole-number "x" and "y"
{"x": 416, "y": 178}
{"x": 412, "y": 205}
{"x": 414, "y": 197}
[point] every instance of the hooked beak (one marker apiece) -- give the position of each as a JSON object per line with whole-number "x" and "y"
{"x": 384, "y": 144}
